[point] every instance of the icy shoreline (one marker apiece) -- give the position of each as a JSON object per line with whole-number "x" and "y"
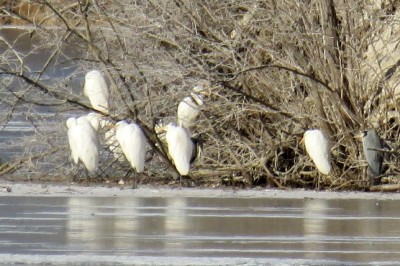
{"x": 53, "y": 190}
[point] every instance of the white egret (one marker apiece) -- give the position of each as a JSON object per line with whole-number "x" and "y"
{"x": 96, "y": 90}
{"x": 83, "y": 142}
{"x": 189, "y": 108}
{"x": 372, "y": 145}
{"x": 318, "y": 148}
{"x": 161, "y": 131}
{"x": 180, "y": 147}
{"x": 133, "y": 144}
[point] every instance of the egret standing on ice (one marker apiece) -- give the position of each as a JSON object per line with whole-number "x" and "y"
{"x": 133, "y": 144}
{"x": 83, "y": 142}
{"x": 371, "y": 146}
{"x": 318, "y": 148}
{"x": 180, "y": 147}
{"x": 189, "y": 108}
{"x": 96, "y": 90}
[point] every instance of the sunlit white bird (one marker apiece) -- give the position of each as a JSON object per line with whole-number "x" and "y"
{"x": 83, "y": 142}
{"x": 133, "y": 144}
{"x": 96, "y": 90}
{"x": 189, "y": 108}
{"x": 180, "y": 147}
{"x": 318, "y": 148}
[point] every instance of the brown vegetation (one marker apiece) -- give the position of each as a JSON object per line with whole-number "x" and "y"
{"x": 276, "y": 68}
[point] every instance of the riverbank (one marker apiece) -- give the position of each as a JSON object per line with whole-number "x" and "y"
{"x": 9, "y": 188}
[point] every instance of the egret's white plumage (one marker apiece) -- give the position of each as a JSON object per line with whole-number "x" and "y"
{"x": 180, "y": 147}
{"x": 84, "y": 143}
{"x": 189, "y": 108}
{"x": 318, "y": 148}
{"x": 96, "y": 90}
{"x": 73, "y": 145}
{"x": 133, "y": 143}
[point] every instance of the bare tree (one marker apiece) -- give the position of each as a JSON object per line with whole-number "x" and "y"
{"x": 275, "y": 70}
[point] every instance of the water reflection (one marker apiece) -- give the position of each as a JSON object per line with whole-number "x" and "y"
{"x": 315, "y": 226}
{"x": 311, "y": 230}
{"x": 175, "y": 223}
{"x": 60, "y": 72}
{"x": 35, "y": 53}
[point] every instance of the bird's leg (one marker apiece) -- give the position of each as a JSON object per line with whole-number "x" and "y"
{"x": 77, "y": 173}
{"x": 126, "y": 176}
{"x": 372, "y": 180}
{"x": 135, "y": 177}
{"x": 87, "y": 176}
{"x": 74, "y": 174}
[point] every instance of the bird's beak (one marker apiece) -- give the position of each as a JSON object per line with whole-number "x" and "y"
{"x": 206, "y": 92}
{"x": 106, "y": 124}
{"x": 302, "y": 141}
{"x": 359, "y": 136}
{"x": 206, "y": 89}
{"x": 159, "y": 129}
{"x": 109, "y": 127}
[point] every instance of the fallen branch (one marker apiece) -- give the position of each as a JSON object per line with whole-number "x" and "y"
{"x": 385, "y": 188}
